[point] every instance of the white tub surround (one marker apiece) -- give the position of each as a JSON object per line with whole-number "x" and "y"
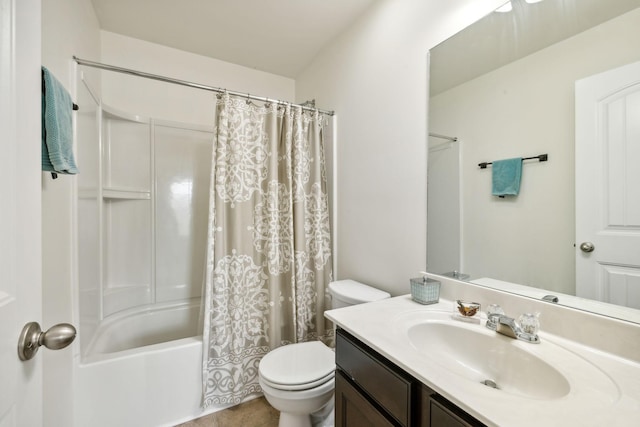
{"x": 603, "y": 382}
{"x": 140, "y": 262}
{"x": 140, "y": 327}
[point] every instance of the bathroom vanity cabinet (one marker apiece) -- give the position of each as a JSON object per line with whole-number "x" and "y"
{"x": 372, "y": 391}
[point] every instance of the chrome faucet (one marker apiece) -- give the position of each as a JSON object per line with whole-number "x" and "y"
{"x": 508, "y": 326}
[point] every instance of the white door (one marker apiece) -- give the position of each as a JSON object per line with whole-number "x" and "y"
{"x": 608, "y": 186}
{"x": 20, "y": 257}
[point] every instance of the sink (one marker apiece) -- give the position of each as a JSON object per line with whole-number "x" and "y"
{"x": 492, "y": 363}
{"x": 479, "y": 355}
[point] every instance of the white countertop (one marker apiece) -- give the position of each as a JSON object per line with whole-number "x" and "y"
{"x": 611, "y": 399}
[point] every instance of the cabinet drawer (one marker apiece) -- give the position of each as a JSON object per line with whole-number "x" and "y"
{"x": 389, "y": 387}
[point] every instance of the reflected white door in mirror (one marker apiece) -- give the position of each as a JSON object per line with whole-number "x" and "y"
{"x": 607, "y": 195}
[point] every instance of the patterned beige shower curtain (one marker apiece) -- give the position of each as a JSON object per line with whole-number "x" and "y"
{"x": 268, "y": 251}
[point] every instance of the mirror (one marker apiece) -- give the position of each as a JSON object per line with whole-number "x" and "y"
{"x": 505, "y": 87}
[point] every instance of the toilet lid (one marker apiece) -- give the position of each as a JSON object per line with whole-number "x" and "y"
{"x": 298, "y": 366}
{"x": 354, "y": 292}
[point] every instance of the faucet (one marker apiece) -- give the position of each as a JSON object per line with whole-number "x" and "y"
{"x": 508, "y": 326}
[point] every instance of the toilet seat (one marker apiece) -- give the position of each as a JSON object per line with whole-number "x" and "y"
{"x": 298, "y": 387}
{"x": 299, "y": 366}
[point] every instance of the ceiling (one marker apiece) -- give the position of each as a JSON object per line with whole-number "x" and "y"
{"x": 276, "y": 36}
{"x": 500, "y": 38}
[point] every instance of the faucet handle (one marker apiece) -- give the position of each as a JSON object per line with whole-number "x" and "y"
{"x": 494, "y": 311}
{"x": 530, "y": 323}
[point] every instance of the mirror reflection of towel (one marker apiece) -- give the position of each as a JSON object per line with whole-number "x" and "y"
{"x": 506, "y": 175}
{"x": 57, "y": 128}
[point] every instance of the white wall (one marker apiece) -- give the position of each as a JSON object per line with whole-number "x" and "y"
{"x": 172, "y": 102}
{"x": 524, "y": 110}
{"x": 69, "y": 27}
{"x": 375, "y": 77}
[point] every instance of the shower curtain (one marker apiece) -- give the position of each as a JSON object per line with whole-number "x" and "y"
{"x": 268, "y": 250}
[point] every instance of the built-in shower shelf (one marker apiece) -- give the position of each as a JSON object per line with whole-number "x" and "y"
{"x": 116, "y": 193}
{"x": 87, "y": 193}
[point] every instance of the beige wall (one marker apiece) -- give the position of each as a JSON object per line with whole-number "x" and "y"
{"x": 522, "y": 109}
{"x": 375, "y": 77}
{"x": 172, "y": 102}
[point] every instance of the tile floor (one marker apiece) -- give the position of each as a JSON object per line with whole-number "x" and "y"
{"x": 255, "y": 413}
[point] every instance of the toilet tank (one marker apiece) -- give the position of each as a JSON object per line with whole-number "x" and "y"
{"x": 349, "y": 292}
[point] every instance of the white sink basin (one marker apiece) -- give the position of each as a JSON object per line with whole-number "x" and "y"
{"x": 470, "y": 351}
{"x": 481, "y": 356}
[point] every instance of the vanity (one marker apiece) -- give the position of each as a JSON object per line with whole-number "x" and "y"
{"x": 400, "y": 363}
{"x": 372, "y": 391}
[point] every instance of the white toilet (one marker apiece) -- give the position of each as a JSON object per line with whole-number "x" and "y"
{"x": 298, "y": 379}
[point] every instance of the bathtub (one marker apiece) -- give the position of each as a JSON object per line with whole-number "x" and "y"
{"x": 142, "y": 369}
{"x": 140, "y": 327}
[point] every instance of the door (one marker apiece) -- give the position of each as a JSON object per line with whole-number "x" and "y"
{"x": 608, "y": 186}
{"x": 20, "y": 257}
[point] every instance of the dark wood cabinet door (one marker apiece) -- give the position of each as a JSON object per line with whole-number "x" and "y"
{"x": 443, "y": 413}
{"x": 353, "y": 409}
{"x": 384, "y": 383}
{"x": 440, "y": 417}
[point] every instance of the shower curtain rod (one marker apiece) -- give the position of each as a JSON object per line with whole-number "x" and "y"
{"x": 449, "y": 138}
{"x": 189, "y": 84}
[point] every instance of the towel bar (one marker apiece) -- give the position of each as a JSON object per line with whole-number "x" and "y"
{"x": 540, "y": 157}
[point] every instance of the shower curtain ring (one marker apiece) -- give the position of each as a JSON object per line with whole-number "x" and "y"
{"x": 248, "y": 98}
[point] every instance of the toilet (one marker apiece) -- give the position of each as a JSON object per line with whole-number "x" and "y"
{"x": 298, "y": 379}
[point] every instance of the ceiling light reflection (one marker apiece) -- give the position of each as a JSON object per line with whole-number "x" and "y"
{"x": 507, "y": 7}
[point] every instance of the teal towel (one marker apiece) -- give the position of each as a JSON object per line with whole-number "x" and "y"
{"x": 506, "y": 175}
{"x": 57, "y": 128}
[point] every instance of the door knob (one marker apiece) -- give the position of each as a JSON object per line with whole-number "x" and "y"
{"x": 587, "y": 247}
{"x": 57, "y": 337}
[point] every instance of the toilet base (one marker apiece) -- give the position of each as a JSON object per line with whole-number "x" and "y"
{"x": 322, "y": 418}
{"x": 325, "y": 417}
{"x": 288, "y": 419}
{"x": 296, "y": 407}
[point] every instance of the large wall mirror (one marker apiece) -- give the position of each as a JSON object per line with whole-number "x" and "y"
{"x": 520, "y": 83}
